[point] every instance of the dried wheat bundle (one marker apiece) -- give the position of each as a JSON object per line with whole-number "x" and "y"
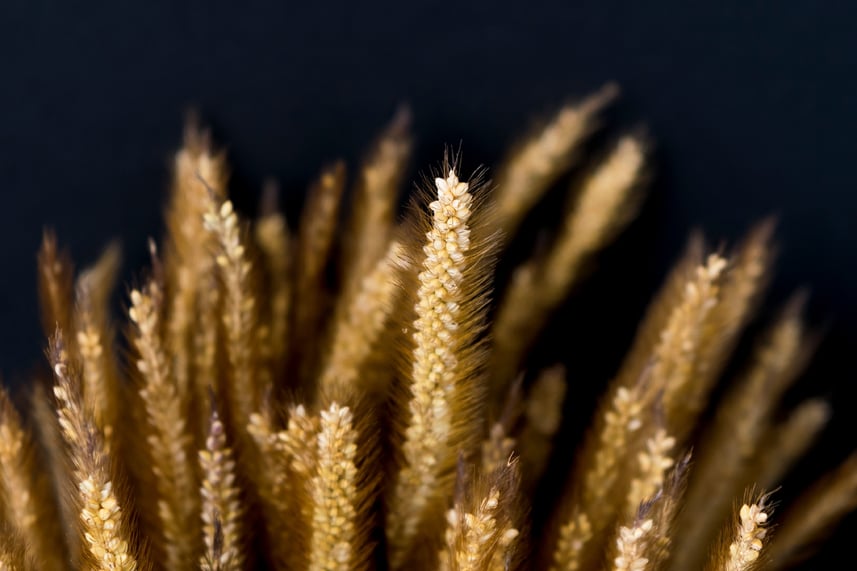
{"x": 360, "y": 399}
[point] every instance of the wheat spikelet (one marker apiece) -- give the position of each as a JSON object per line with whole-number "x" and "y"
{"x": 95, "y": 340}
{"x": 813, "y": 513}
{"x": 315, "y": 242}
{"x": 788, "y": 441}
{"x": 630, "y": 547}
{"x": 275, "y": 243}
{"x": 605, "y": 202}
{"x": 167, "y": 436}
{"x": 221, "y": 509}
{"x": 28, "y": 511}
{"x": 375, "y": 200}
{"x": 102, "y": 521}
{"x": 542, "y": 418}
{"x": 725, "y": 456}
{"x": 444, "y": 361}
{"x": 538, "y": 161}
{"x": 358, "y": 330}
{"x": 747, "y": 540}
{"x": 239, "y": 315}
{"x": 653, "y": 462}
{"x": 56, "y": 279}
{"x": 480, "y": 532}
{"x": 574, "y": 535}
{"x": 199, "y": 176}
{"x": 333, "y": 545}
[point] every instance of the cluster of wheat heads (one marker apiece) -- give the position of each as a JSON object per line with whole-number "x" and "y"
{"x": 254, "y": 415}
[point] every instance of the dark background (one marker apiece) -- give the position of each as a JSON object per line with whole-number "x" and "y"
{"x": 749, "y": 107}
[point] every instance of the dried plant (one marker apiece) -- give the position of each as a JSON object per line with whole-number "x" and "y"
{"x": 330, "y": 400}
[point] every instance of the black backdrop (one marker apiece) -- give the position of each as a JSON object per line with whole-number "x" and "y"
{"x": 748, "y": 106}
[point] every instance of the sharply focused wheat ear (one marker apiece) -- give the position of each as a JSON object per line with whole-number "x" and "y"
{"x": 539, "y": 160}
{"x": 726, "y": 454}
{"x": 102, "y": 521}
{"x": 341, "y": 497}
{"x": 444, "y": 373}
{"x": 742, "y": 546}
{"x": 167, "y": 435}
{"x": 604, "y": 204}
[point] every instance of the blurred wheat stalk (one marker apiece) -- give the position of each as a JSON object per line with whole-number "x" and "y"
{"x": 266, "y": 419}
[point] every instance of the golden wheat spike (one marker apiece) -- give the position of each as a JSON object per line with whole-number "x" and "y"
{"x": 812, "y": 514}
{"x": 740, "y": 289}
{"x": 56, "y": 283}
{"x": 94, "y": 338}
{"x": 289, "y": 459}
{"x": 28, "y": 510}
{"x": 608, "y": 460}
{"x": 167, "y": 433}
{"x": 317, "y": 232}
{"x": 275, "y": 244}
{"x": 481, "y": 532}
{"x": 222, "y": 535}
{"x": 788, "y": 441}
{"x": 334, "y": 492}
{"x": 604, "y": 204}
{"x": 541, "y": 421}
{"x": 239, "y": 311}
{"x": 726, "y": 453}
{"x": 358, "y": 329}
{"x": 376, "y": 200}
{"x": 199, "y": 176}
{"x": 744, "y": 540}
{"x": 445, "y": 368}
{"x": 538, "y": 161}
{"x": 102, "y": 521}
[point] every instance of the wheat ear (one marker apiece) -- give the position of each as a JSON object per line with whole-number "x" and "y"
{"x": 275, "y": 244}
{"x": 542, "y": 419}
{"x": 481, "y": 532}
{"x": 337, "y": 542}
{"x": 788, "y": 441}
{"x": 198, "y": 174}
{"x": 239, "y": 311}
{"x": 741, "y": 551}
{"x": 315, "y": 241}
{"x": 727, "y": 452}
{"x": 605, "y": 202}
{"x": 375, "y": 200}
{"x": 358, "y": 330}
{"x": 813, "y": 513}
{"x": 27, "y": 503}
{"x": 168, "y": 438}
{"x": 444, "y": 372}
{"x": 56, "y": 283}
{"x": 95, "y": 339}
{"x": 221, "y": 507}
{"x": 536, "y": 163}
{"x": 102, "y": 521}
